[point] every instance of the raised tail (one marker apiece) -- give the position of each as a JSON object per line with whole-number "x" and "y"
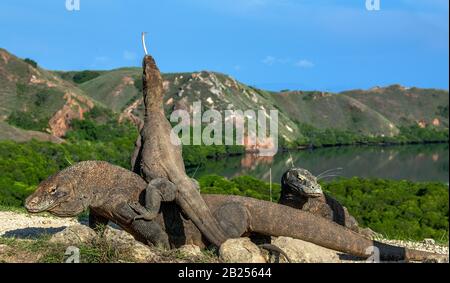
{"x": 195, "y": 207}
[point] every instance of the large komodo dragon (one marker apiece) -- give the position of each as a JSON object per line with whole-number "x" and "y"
{"x": 300, "y": 189}
{"x": 106, "y": 190}
{"x": 161, "y": 164}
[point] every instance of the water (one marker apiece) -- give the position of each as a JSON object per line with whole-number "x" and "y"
{"x": 411, "y": 162}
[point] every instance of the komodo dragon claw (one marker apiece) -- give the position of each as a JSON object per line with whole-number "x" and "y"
{"x": 143, "y": 213}
{"x": 273, "y": 248}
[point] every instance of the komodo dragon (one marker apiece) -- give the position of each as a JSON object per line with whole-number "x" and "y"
{"x": 300, "y": 189}
{"x": 161, "y": 164}
{"x": 106, "y": 190}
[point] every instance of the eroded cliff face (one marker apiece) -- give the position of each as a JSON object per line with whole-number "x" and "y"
{"x": 128, "y": 114}
{"x": 75, "y": 108}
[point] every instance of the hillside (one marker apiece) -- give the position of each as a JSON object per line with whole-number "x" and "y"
{"x": 8, "y": 132}
{"x": 32, "y": 98}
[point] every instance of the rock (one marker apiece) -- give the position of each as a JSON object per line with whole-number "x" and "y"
{"x": 140, "y": 252}
{"x": 191, "y": 250}
{"x": 73, "y": 235}
{"x": 117, "y": 237}
{"x": 125, "y": 243}
{"x": 4, "y": 249}
{"x": 430, "y": 242}
{"x": 304, "y": 252}
{"x": 240, "y": 251}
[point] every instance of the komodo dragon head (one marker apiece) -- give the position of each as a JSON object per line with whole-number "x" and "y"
{"x": 58, "y": 195}
{"x": 301, "y": 181}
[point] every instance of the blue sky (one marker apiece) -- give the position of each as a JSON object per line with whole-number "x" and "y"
{"x": 273, "y": 44}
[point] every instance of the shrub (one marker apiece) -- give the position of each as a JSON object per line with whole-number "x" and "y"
{"x": 31, "y": 62}
{"x": 27, "y": 121}
{"x": 397, "y": 209}
{"x": 85, "y": 76}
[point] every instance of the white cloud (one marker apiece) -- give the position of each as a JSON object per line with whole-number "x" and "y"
{"x": 101, "y": 59}
{"x": 269, "y": 60}
{"x": 129, "y": 56}
{"x": 304, "y": 64}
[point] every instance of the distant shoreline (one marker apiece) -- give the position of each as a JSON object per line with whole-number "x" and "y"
{"x": 311, "y": 147}
{"x": 371, "y": 144}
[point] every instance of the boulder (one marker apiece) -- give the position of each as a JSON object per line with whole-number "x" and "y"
{"x": 191, "y": 251}
{"x": 304, "y": 252}
{"x": 240, "y": 251}
{"x": 74, "y": 235}
{"x": 125, "y": 243}
{"x": 4, "y": 249}
{"x": 140, "y": 252}
{"x": 117, "y": 238}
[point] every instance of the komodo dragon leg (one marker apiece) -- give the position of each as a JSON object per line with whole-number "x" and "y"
{"x": 157, "y": 191}
{"x": 149, "y": 232}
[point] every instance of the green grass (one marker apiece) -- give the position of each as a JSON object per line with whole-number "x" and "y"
{"x": 98, "y": 251}
{"x": 85, "y": 76}
{"x": 16, "y": 209}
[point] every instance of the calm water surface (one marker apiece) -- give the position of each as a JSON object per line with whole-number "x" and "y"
{"x": 411, "y": 162}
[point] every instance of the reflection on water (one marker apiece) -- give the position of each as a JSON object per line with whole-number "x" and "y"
{"x": 412, "y": 162}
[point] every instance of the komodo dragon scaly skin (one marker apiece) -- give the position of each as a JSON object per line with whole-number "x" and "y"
{"x": 300, "y": 189}
{"x": 161, "y": 164}
{"x": 106, "y": 190}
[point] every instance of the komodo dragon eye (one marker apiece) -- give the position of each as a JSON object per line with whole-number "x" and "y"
{"x": 301, "y": 178}
{"x": 53, "y": 190}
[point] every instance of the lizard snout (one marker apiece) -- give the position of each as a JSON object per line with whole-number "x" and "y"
{"x": 31, "y": 203}
{"x": 34, "y": 204}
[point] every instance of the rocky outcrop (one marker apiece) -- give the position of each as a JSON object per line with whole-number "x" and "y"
{"x": 118, "y": 240}
{"x": 241, "y": 251}
{"x": 74, "y": 235}
{"x": 125, "y": 243}
{"x": 190, "y": 251}
{"x": 127, "y": 114}
{"x": 126, "y": 81}
{"x": 304, "y": 252}
{"x": 75, "y": 108}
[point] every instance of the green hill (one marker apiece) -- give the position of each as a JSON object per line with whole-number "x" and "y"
{"x": 32, "y": 98}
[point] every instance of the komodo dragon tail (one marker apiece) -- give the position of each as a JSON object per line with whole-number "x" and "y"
{"x": 277, "y": 220}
